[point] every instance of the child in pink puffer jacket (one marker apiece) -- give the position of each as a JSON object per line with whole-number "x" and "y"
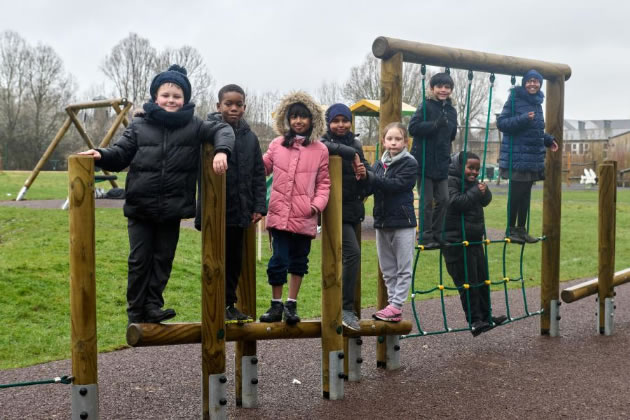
{"x": 299, "y": 193}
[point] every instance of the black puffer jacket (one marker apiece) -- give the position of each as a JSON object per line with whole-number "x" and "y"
{"x": 246, "y": 189}
{"x": 438, "y": 138}
{"x": 353, "y": 191}
{"x": 163, "y": 165}
{"x": 393, "y": 193}
{"x": 470, "y": 202}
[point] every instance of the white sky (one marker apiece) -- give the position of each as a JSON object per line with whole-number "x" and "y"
{"x": 285, "y": 45}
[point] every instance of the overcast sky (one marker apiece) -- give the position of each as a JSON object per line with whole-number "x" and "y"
{"x": 285, "y": 45}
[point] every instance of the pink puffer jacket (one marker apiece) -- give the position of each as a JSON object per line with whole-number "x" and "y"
{"x": 300, "y": 181}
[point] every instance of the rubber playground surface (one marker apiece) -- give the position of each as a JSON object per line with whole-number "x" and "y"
{"x": 508, "y": 373}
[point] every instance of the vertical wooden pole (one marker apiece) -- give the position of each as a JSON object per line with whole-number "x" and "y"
{"x": 83, "y": 287}
{"x": 391, "y": 111}
{"x": 606, "y": 223}
{"x": 552, "y": 200}
{"x": 332, "y": 329}
{"x": 246, "y": 296}
{"x": 213, "y": 286}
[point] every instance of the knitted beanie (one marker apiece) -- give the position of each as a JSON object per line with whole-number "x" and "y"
{"x": 532, "y": 74}
{"x": 336, "y": 110}
{"x": 175, "y": 74}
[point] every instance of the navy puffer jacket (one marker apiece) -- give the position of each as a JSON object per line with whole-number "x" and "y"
{"x": 528, "y": 136}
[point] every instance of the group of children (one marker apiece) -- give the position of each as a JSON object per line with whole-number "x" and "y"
{"x": 161, "y": 147}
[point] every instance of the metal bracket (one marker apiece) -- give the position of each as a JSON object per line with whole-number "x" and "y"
{"x": 354, "y": 359}
{"x": 217, "y": 390}
{"x": 392, "y": 352}
{"x": 554, "y": 318}
{"x": 85, "y": 402}
{"x": 335, "y": 375}
{"x": 249, "y": 384}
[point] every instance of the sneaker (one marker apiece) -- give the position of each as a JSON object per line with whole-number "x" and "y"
{"x": 157, "y": 315}
{"x": 479, "y": 327}
{"x": 290, "y": 312}
{"x": 234, "y": 316}
{"x": 498, "y": 320}
{"x": 274, "y": 313}
{"x": 389, "y": 313}
{"x": 350, "y": 320}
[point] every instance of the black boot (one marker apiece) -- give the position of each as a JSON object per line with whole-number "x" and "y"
{"x": 274, "y": 313}
{"x": 290, "y": 312}
{"x": 234, "y": 316}
{"x": 157, "y": 315}
{"x": 527, "y": 237}
{"x": 516, "y": 235}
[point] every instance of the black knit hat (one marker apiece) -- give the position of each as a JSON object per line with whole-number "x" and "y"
{"x": 175, "y": 74}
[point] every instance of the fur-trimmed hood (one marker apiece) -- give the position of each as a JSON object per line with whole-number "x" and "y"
{"x": 281, "y": 123}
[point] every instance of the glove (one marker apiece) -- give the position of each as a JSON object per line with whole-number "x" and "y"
{"x": 441, "y": 122}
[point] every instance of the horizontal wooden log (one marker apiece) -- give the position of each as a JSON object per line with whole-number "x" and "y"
{"x": 97, "y": 104}
{"x": 143, "y": 335}
{"x": 437, "y": 55}
{"x": 590, "y": 287}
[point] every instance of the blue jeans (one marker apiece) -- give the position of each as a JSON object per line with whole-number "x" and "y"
{"x": 290, "y": 255}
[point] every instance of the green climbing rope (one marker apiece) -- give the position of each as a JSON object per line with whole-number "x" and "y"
{"x": 485, "y": 242}
{"x": 58, "y": 380}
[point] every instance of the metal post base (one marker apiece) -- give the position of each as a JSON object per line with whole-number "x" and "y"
{"x": 609, "y": 314}
{"x": 217, "y": 390}
{"x": 554, "y": 321}
{"x": 21, "y": 194}
{"x": 392, "y": 352}
{"x": 335, "y": 375}
{"x": 85, "y": 402}
{"x": 354, "y": 359}
{"x": 249, "y": 385}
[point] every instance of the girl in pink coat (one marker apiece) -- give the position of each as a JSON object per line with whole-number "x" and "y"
{"x": 299, "y": 193}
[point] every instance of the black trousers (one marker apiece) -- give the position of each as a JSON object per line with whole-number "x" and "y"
{"x": 477, "y": 274}
{"x": 151, "y": 252}
{"x": 233, "y": 261}
{"x": 351, "y": 257}
{"x": 520, "y": 196}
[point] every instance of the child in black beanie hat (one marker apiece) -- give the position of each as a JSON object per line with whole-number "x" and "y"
{"x": 161, "y": 149}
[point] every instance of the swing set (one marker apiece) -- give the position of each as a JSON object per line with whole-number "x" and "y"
{"x": 393, "y": 52}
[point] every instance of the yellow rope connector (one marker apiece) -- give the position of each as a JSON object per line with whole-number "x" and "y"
{"x": 506, "y": 279}
{"x": 466, "y": 286}
{"x": 441, "y": 287}
{"x": 508, "y": 240}
{"x": 421, "y": 247}
{"x": 465, "y": 243}
{"x": 488, "y": 282}
{"x": 488, "y": 241}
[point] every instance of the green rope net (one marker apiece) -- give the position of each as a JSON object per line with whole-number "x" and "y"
{"x": 466, "y": 287}
{"x": 66, "y": 380}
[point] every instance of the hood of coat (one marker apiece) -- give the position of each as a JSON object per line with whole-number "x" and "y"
{"x": 243, "y": 127}
{"x": 429, "y": 95}
{"x": 281, "y": 123}
{"x": 456, "y": 166}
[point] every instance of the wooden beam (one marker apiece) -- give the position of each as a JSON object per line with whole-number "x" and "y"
{"x": 98, "y": 104}
{"x": 437, "y": 55}
{"x": 590, "y": 287}
{"x": 146, "y": 335}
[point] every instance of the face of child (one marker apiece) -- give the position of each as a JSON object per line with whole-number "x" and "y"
{"x": 299, "y": 125}
{"x": 394, "y": 141}
{"x": 231, "y": 107}
{"x": 471, "y": 172}
{"x": 340, "y": 125}
{"x": 532, "y": 86}
{"x": 170, "y": 97}
{"x": 442, "y": 92}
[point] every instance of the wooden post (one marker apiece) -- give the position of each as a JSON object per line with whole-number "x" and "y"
{"x": 552, "y": 205}
{"x": 391, "y": 111}
{"x": 213, "y": 287}
{"x": 83, "y": 287}
{"x": 332, "y": 329}
{"x": 246, "y": 295}
{"x": 607, "y": 224}
{"x": 42, "y": 161}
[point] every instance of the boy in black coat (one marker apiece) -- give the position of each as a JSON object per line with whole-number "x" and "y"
{"x": 161, "y": 149}
{"x": 434, "y": 132}
{"x": 246, "y": 191}
{"x": 467, "y": 200}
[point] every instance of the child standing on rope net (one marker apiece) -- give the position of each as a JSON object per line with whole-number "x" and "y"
{"x": 246, "y": 191}
{"x": 433, "y": 127}
{"x": 299, "y": 193}
{"x": 342, "y": 142}
{"x": 464, "y": 227}
{"x": 522, "y": 156}
{"x": 392, "y": 180}
{"x": 161, "y": 148}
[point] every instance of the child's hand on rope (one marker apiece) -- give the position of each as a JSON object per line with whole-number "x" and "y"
{"x": 482, "y": 187}
{"x": 256, "y": 217}
{"x": 94, "y": 153}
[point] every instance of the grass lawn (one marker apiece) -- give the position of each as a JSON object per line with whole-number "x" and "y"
{"x": 34, "y": 303}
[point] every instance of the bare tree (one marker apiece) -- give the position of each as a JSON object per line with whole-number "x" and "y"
{"x": 131, "y": 67}
{"x": 14, "y": 57}
{"x": 329, "y": 93}
{"x": 259, "y": 114}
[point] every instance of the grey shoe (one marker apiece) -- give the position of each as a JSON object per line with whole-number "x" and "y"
{"x": 527, "y": 237}
{"x": 350, "y": 320}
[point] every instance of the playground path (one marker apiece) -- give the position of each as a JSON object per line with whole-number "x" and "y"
{"x": 510, "y": 372}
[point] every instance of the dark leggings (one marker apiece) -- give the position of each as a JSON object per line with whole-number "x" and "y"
{"x": 520, "y": 196}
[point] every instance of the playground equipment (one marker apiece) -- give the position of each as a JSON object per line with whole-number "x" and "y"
{"x": 607, "y": 279}
{"x": 393, "y": 52}
{"x": 212, "y": 332}
{"x": 72, "y": 118}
